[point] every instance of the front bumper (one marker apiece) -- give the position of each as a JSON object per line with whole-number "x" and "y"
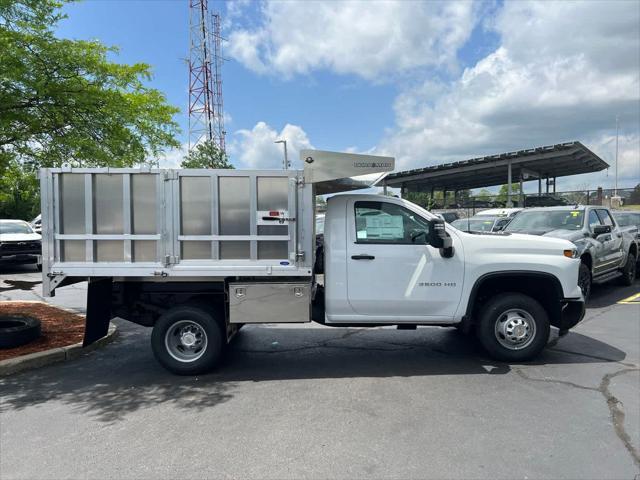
{"x": 21, "y": 258}
{"x": 572, "y": 311}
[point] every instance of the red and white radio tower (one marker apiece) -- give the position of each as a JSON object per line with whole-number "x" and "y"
{"x": 206, "y": 112}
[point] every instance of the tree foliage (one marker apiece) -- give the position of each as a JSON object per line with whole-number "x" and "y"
{"x": 504, "y": 189}
{"x": 425, "y": 200}
{"x": 62, "y": 101}
{"x": 206, "y": 155}
{"x": 19, "y": 191}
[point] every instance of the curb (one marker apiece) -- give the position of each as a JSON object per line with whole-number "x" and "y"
{"x": 53, "y": 355}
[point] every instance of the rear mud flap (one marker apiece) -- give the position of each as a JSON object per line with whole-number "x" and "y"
{"x": 98, "y": 310}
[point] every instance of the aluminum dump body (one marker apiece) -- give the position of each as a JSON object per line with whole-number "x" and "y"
{"x": 137, "y": 223}
{"x": 190, "y": 224}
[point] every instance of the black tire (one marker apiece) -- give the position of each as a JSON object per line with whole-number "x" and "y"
{"x": 585, "y": 280}
{"x": 16, "y": 331}
{"x": 629, "y": 271}
{"x": 171, "y": 326}
{"x": 494, "y": 312}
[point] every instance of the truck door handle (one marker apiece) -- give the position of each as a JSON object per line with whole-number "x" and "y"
{"x": 362, "y": 257}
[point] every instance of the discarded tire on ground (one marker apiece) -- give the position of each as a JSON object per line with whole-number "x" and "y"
{"x": 16, "y": 331}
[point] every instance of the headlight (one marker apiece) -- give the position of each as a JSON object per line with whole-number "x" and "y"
{"x": 570, "y": 253}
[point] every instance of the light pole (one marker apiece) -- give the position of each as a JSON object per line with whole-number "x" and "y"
{"x": 286, "y": 159}
{"x": 615, "y": 191}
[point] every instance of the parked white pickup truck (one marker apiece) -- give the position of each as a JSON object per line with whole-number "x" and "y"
{"x": 198, "y": 253}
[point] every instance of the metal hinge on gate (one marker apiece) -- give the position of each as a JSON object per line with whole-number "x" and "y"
{"x": 300, "y": 181}
{"x": 300, "y": 256}
{"x": 171, "y": 259}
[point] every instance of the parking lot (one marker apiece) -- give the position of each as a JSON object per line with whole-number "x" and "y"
{"x": 317, "y": 402}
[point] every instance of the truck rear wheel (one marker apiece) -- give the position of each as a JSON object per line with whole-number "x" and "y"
{"x": 187, "y": 340}
{"x": 513, "y": 327}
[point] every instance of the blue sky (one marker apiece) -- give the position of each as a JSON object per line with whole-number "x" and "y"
{"x": 331, "y": 107}
{"x": 424, "y": 82}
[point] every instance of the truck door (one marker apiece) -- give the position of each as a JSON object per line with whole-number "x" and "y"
{"x": 392, "y": 274}
{"x": 613, "y": 244}
{"x": 599, "y": 261}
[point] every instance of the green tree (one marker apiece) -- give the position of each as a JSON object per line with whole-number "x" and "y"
{"x": 19, "y": 191}
{"x": 423, "y": 199}
{"x": 62, "y": 101}
{"x": 206, "y": 155}
{"x": 634, "y": 198}
{"x": 502, "y": 193}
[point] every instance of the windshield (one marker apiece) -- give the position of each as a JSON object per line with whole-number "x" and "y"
{"x": 449, "y": 216}
{"x": 626, "y": 219}
{"x": 15, "y": 227}
{"x": 547, "y": 220}
{"x": 484, "y": 224}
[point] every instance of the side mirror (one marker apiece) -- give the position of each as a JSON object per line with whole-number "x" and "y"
{"x": 438, "y": 238}
{"x": 601, "y": 229}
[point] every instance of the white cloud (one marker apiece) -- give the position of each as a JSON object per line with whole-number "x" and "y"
{"x": 173, "y": 157}
{"x": 550, "y": 81}
{"x": 256, "y": 149}
{"x": 374, "y": 40}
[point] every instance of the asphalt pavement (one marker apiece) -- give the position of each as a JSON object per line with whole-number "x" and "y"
{"x": 318, "y": 402}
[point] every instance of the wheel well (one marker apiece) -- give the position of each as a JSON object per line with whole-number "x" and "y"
{"x": 586, "y": 259}
{"x": 545, "y": 288}
{"x": 144, "y": 302}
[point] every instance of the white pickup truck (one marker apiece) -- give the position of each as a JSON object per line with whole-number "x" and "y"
{"x": 196, "y": 254}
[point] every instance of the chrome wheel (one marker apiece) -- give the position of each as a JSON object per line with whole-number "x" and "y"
{"x": 186, "y": 341}
{"x": 515, "y": 329}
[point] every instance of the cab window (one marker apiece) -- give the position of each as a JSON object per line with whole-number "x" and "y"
{"x": 593, "y": 219}
{"x": 388, "y": 223}
{"x": 605, "y": 217}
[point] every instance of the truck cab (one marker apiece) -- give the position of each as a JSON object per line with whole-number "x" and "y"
{"x": 381, "y": 264}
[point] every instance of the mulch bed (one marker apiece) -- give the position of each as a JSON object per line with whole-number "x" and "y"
{"x": 60, "y": 328}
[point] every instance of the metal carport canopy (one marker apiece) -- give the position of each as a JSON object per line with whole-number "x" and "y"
{"x": 543, "y": 162}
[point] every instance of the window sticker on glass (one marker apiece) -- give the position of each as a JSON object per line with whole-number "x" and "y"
{"x": 362, "y": 234}
{"x": 384, "y": 227}
{"x": 575, "y": 213}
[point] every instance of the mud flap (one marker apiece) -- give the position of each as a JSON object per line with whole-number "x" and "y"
{"x": 98, "y": 310}
{"x": 571, "y": 314}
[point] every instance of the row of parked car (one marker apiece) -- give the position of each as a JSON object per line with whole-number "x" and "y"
{"x": 21, "y": 242}
{"x": 607, "y": 241}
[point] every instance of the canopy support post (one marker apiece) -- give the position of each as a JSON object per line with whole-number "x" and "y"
{"x": 509, "y": 191}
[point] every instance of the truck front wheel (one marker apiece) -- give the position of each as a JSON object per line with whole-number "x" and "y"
{"x": 513, "y": 327}
{"x": 187, "y": 340}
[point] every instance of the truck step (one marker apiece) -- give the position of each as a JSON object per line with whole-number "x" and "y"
{"x": 606, "y": 277}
